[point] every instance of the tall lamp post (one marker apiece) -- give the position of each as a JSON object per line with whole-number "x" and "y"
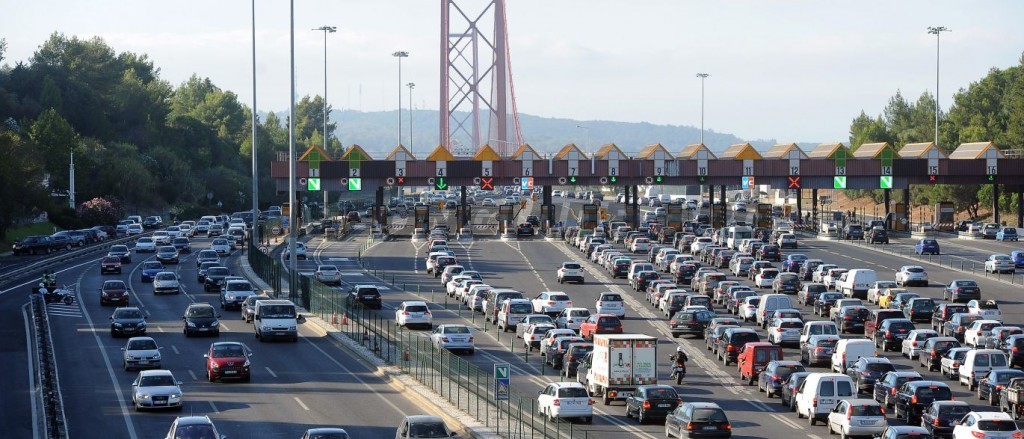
{"x": 256, "y": 235}
{"x": 702, "y": 77}
{"x": 327, "y": 137}
{"x": 937, "y": 31}
{"x": 410, "y": 85}
{"x": 293, "y": 207}
{"x": 400, "y": 54}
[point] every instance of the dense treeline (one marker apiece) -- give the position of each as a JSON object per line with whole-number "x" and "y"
{"x": 147, "y": 144}
{"x": 991, "y": 109}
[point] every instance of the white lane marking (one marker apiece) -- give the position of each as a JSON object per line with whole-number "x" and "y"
{"x": 160, "y": 328}
{"x": 337, "y": 363}
{"x": 787, "y": 422}
{"x": 33, "y": 395}
{"x": 301, "y": 404}
{"x": 271, "y": 372}
{"x": 224, "y": 327}
{"x": 215, "y": 410}
{"x": 193, "y": 375}
{"x": 175, "y": 349}
{"x": 530, "y": 264}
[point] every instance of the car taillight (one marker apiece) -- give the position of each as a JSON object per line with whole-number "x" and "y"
{"x": 471, "y": 339}
{"x": 934, "y": 354}
{"x": 814, "y": 402}
{"x": 819, "y": 350}
{"x": 913, "y": 400}
{"x": 671, "y": 322}
{"x": 405, "y": 313}
{"x": 978, "y": 434}
{"x": 557, "y": 402}
{"x": 1014, "y": 349}
{"x": 849, "y": 413}
{"x": 590, "y": 402}
{"x": 956, "y": 364}
{"x": 847, "y": 318}
{"x": 730, "y": 348}
{"x": 936, "y": 422}
{"x": 892, "y": 391}
{"x": 1018, "y": 435}
{"x": 914, "y": 344}
{"x": 959, "y": 290}
{"x": 444, "y": 339}
{"x": 689, "y": 426}
{"x": 780, "y": 330}
{"x": 647, "y": 405}
{"x": 888, "y": 334}
{"x": 426, "y": 313}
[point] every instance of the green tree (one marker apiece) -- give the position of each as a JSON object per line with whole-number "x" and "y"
{"x": 49, "y": 97}
{"x": 55, "y": 138}
{"x": 21, "y": 173}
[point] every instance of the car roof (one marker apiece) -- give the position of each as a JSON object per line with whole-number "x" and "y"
{"x": 414, "y": 302}
{"x": 155, "y": 372}
{"x": 704, "y": 405}
{"x": 193, "y": 420}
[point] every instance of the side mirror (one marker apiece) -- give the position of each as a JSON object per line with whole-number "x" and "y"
{"x": 218, "y": 316}
{"x": 122, "y": 349}
{"x": 206, "y": 355}
{"x": 177, "y": 382}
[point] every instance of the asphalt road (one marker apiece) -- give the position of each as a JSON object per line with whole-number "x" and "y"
{"x": 529, "y": 265}
{"x": 295, "y": 386}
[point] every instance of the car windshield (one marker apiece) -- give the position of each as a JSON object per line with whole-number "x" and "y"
{"x": 228, "y": 351}
{"x": 328, "y": 436}
{"x": 218, "y": 271}
{"x": 128, "y": 314}
{"x": 239, "y": 286}
{"x": 165, "y": 276}
{"x": 202, "y": 311}
{"x": 152, "y": 265}
{"x": 139, "y": 345}
{"x": 428, "y": 430}
{"x": 283, "y": 311}
{"x": 156, "y": 380}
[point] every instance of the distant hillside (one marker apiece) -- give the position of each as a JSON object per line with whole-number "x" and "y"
{"x": 377, "y": 132}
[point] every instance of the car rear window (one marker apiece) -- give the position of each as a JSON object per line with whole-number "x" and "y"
{"x": 608, "y": 322}
{"x": 997, "y": 425}
{"x": 844, "y": 388}
{"x": 954, "y": 411}
{"x": 792, "y": 325}
{"x": 880, "y": 367}
{"x": 742, "y": 338}
{"x": 915, "y": 270}
{"x": 571, "y": 266}
{"x": 573, "y": 392}
{"x": 988, "y": 305}
{"x": 611, "y": 298}
{"x": 867, "y": 410}
{"x": 520, "y": 308}
{"x": 827, "y": 343}
{"x": 416, "y": 308}
{"x": 709, "y": 415}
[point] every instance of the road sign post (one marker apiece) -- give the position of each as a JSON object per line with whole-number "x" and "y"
{"x": 502, "y": 380}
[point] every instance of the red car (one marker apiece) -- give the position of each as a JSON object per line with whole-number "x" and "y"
{"x": 600, "y": 324}
{"x": 110, "y": 264}
{"x": 114, "y": 292}
{"x": 228, "y": 360}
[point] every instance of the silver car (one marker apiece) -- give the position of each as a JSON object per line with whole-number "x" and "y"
{"x": 454, "y": 338}
{"x": 611, "y": 303}
{"x": 140, "y": 353}
{"x": 785, "y": 330}
{"x": 156, "y": 389}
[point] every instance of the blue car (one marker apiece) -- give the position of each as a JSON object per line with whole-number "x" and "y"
{"x": 1018, "y": 258}
{"x": 1007, "y": 234}
{"x": 793, "y": 262}
{"x": 927, "y": 246}
{"x": 150, "y": 269}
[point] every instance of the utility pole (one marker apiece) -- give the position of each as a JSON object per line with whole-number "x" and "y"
{"x": 410, "y": 85}
{"x": 71, "y": 186}
{"x": 702, "y": 77}
{"x": 937, "y": 31}
{"x": 255, "y": 182}
{"x": 400, "y": 54}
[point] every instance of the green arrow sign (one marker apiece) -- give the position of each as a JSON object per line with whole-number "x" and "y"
{"x": 440, "y": 183}
{"x": 355, "y": 184}
{"x": 885, "y": 182}
{"x": 572, "y": 179}
{"x": 312, "y": 184}
{"x": 839, "y": 182}
{"x": 501, "y": 371}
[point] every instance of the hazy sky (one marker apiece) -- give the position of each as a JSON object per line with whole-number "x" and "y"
{"x": 789, "y": 70}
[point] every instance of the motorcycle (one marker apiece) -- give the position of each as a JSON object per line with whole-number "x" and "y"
{"x": 679, "y": 372}
{"x": 56, "y": 295}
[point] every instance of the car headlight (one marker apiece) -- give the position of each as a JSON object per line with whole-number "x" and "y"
{"x": 142, "y": 324}
{"x": 190, "y": 324}
{"x": 129, "y": 356}
{"x": 117, "y": 325}
{"x": 143, "y": 395}
{"x": 214, "y": 366}
{"x": 264, "y": 328}
{"x": 246, "y": 364}
{"x": 176, "y": 395}
{"x": 215, "y": 323}
{"x": 157, "y": 356}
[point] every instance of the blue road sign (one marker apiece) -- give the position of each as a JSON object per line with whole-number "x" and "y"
{"x": 501, "y": 381}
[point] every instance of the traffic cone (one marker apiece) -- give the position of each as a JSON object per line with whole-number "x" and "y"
{"x": 344, "y": 318}
{"x": 334, "y": 318}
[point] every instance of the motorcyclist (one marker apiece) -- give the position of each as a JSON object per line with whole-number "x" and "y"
{"x": 680, "y": 358}
{"x": 49, "y": 280}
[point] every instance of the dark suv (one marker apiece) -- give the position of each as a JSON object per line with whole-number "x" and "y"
{"x": 944, "y": 312}
{"x": 853, "y": 231}
{"x": 914, "y": 396}
{"x": 878, "y": 236}
{"x": 365, "y": 295}
{"x": 732, "y": 340}
{"x": 127, "y": 321}
{"x": 891, "y": 333}
{"x": 940, "y": 417}
{"x": 690, "y": 322}
{"x": 31, "y": 245}
{"x": 214, "y": 279}
{"x": 769, "y": 253}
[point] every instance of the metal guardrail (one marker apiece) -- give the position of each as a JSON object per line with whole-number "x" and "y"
{"x": 54, "y": 422}
{"x": 55, "y": 261}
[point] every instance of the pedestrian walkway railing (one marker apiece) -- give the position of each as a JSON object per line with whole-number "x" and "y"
{"x": 471, "y": 388}
{"x": 266, "y": 267}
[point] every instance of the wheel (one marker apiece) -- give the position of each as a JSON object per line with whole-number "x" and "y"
{"x": 810, "y": 419}
{"x": 69, "y": 300}
{"x": 210, "y": 377}
{"x": 588, "y": 420}
{"x": 640, "y": 417}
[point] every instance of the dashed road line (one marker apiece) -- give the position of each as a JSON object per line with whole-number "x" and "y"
{"x": 300, "y": 403}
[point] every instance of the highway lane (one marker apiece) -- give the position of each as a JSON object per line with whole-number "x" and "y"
{"x": 543, "y": 260}
{"x": 315, "y": 382}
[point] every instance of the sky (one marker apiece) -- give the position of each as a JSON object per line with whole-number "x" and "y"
{"x": 790, "y": 70}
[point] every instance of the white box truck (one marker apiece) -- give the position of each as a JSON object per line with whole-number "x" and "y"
{"x": 621, "y": 362}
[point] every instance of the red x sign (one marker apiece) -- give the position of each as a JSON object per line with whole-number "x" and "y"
{"x": 400, "y": 180}
{"x": 794, "y": 182}
{"x": 487, "y": 183}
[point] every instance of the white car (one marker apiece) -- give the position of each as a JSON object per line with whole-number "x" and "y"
{"x": 566, "y": 400}
{"x": 700, "y": 244}
{"x": 787, "y": 240}
{"x": 453, "y": 338}
{"x": 551, "y": 302}
{"x": 161, "y": 237}
{"x": 572, "y": 317}
{"x": 140, "y": 353}
{"x": 611, "y": 303}
{"x": 550, "y": 336}
{"x": 300, "y": 251}
{"x": 912, "y": 275}
{"x": 765, "y": 278}
{"x": 413, "y": 312}
{"x": 783, "y": 331}
{"x": 912, "y": 345}
{"x": 223, "y": 247}
{"x": 173, "y": 231}
{"x": 832, "y": 277}
{"x": 999, "y": 264}
{"x": 328, "y": 274}
{"x": 534, "y": 333}
{"x": 975, "y": 335}
{"x": 453, "y": 284}
{"x": 570, "y": 271}
{"x": 857, "y": 417}
{"x": 156, "y": 389}
{"x": 640, "y": 245}
{"x": 819, "y": 273}
{"x": 462, "y": 290}
{"x": 187, "y": 230}
{"x": 987, "y": 309}
{"x": 166, "y": 282}
{"x": 987, "y": 425}
{"x": 488, "y": 202}
{"x": 145, "y": 245}
{"x": 878, "y": 288}
{"x": 748, "y": 309}
{"x": 739, "y": 206}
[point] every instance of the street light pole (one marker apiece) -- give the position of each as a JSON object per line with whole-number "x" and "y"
{"x": 326, "y": 30}
{"x": 255, "y": 182}
{"x": 937, "y": 31}
{"x": 293, "y": 207}
{"x": 400, "y": 54}
{"x": 702, "y": 77}
{"x": 410, "y": 85}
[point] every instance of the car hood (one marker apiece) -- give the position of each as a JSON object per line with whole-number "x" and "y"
{"x": 223, "y": 361}
{"x": 201, "y": 321}
{"x": 143, "y": 352}
{"x": 128, "y": 321}
{"x": 165, "y": 282}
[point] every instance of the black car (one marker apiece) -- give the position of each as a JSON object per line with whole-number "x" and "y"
{"x": 61, "y": 242}
{"x": 365, "y": 295}
{"x": 962, "y": 291}
{"x": 867, "y": 370}
{"x": 690, "y": 322}
{"x": 524, "y": 229}
{"x": 572, "y": 357}
{"x": 787, "y": 283}
{"x": 912, "y": 399}
{"x": 787, "y": 394}
{"x": 127, "y": 321}
{"x": 853, "y": 231}
{"x": 957, "y": 324}
{"x": 943, "y": 313}
{"x": 769, "y": 253}
{"x": 888, "y": 384}
{"x": 643, "y": 278}
{"x": 621, "y": 268}
{"x": 850, "y": 319}
{"x": 152, "y": 222}
{"x": 1014, "y": 347}
{"x": 824, "y": 303}
{"x": 698, "y": 419}
{"x": 891, "y": 333}
{"x": 811, "y": 292}
{"x": 201, "y": 319}
{"x": 878, "y": 236}
{"x": 31, "y": 245}
{"x": 533, "y": 219}
{"x": 807, "y": 269}
{"x": 122, "y": 252}
{"x": 934, "y": 348}
{"x": 940, "y": 417}
{"x": 249, "y": 306}
{"x": 919, "y": 309}
{"x": 729, "y": 343}
{"x": 555, "y": 354}
{"x": 684, "y": 273}
{"x": 652, "y": 402}
{"x": 206, "y": 256}
{"x": 182, "y": 244}
{"x": 775, "y": 374}
{"x": 214, "y": 279}
{"x": 990, "y": 384}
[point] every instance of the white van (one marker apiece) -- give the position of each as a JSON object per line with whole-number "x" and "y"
{"x": 772, "y": 302}
{"x": 978, "y": 363}
{"x": 638, "y": 266}
{"x": 818, "y": 328}
{"x": 819, "y": 393}
{"x": 276, "y": 319}
{"x": 849, "y": 350}
{"x": 512, "y": 311}
{"x": 857, "y": 283}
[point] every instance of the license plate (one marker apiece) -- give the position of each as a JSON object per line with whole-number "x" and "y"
{"x": 826, "y": 351}
{"x": 230, "y": 372}
{"x": 624, "y": 394}
{"x": 710, "y": 427}
{"x": 160, "y": 402}
{"x": 867, "y": 422}
{"x": 204, "y": 329}
{"x": 664, "y": 405}
{"x": 144, "y": 362}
